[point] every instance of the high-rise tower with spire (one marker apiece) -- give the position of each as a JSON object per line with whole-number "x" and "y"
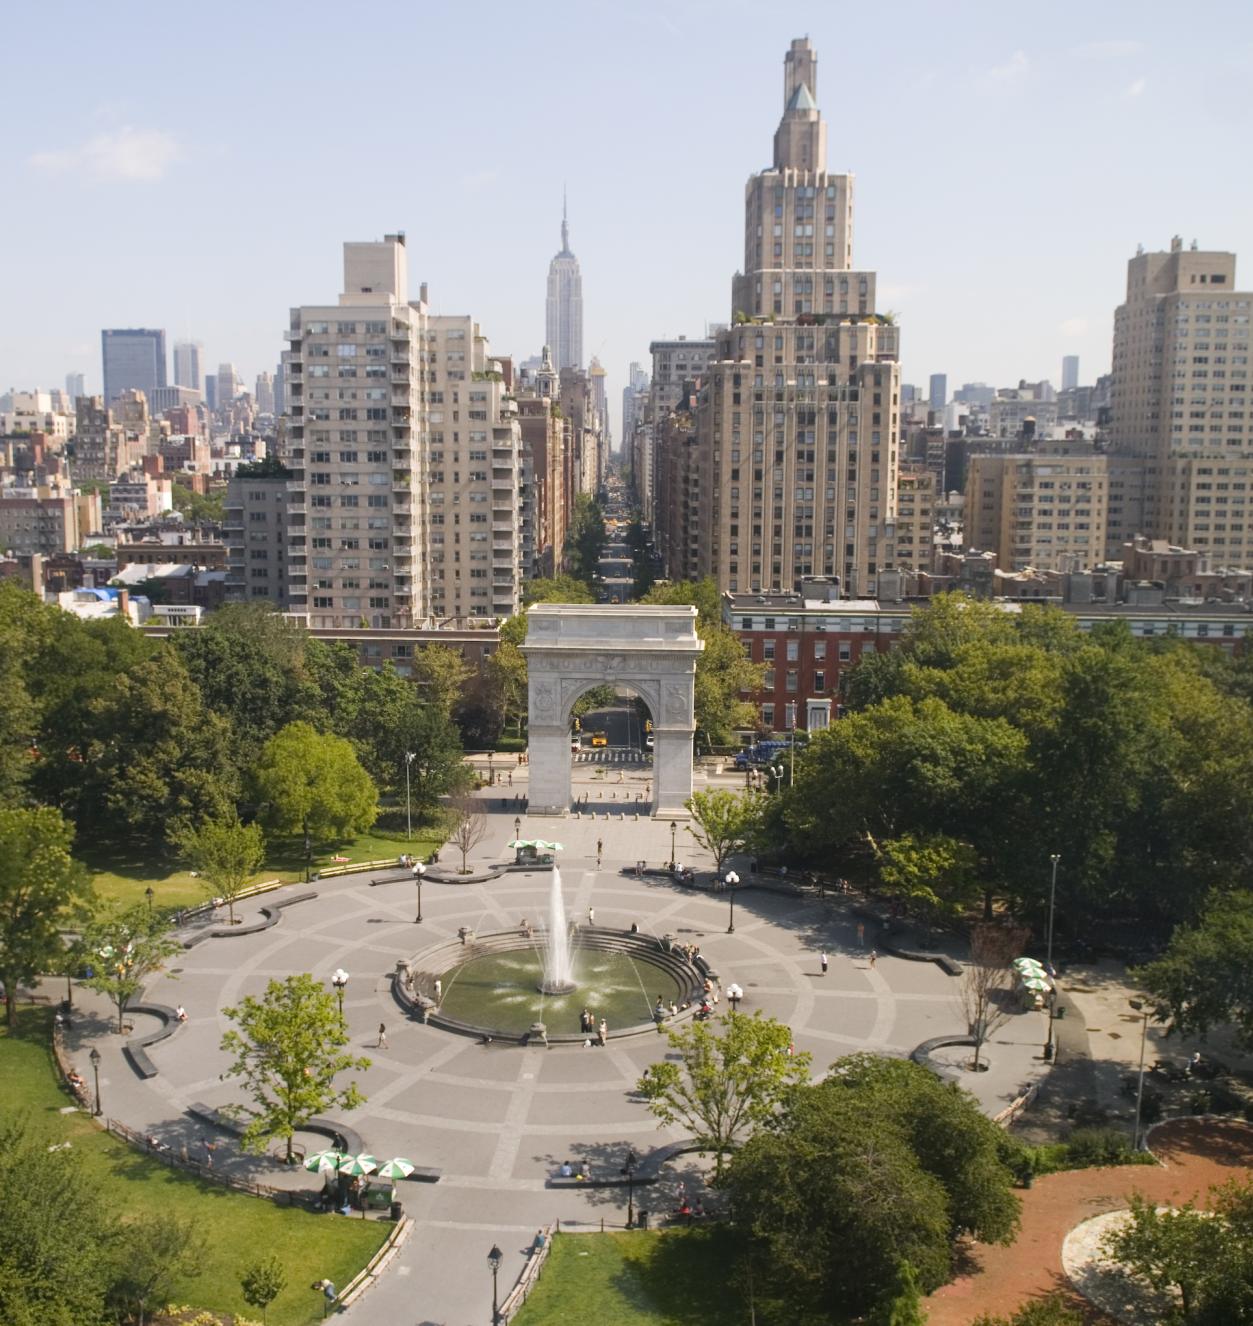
{"x": 564, "y": 322}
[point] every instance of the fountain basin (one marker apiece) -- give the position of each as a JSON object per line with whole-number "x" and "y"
{"x": 490, "y": 986}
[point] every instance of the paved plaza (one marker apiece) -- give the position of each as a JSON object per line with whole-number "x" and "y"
{"x": 498, "y": 1119}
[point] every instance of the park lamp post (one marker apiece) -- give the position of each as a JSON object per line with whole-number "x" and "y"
{"x": 1048, "y": 961}
{"x": 734, "y": 994}
{"x": 494, "y": 1258}
{"x": 308, "y": 854}
{"x": 491, "y": 771}
{"x": 340, "y": 980}
{"x": 776, "y": 772}
{"x": 1145, "y": 1013}
{"x": 418, "y": 871}
{"x": 731, "y": 879}
{"x": 517, "y": 827}
{"x": 628, "y": 1168}
{"x": 149, "y": 893}
{"x": 673, "y": 830}
{"x": 94, "y": 1056}
{"x": 410, "y": 756}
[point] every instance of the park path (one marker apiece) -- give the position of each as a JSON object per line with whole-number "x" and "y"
{"x": 1195, "y": 1154}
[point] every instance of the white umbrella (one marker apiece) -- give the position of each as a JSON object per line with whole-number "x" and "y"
{"x": 325, "y": 1160}
{"x": 396, "y": 1168}
{"x": 359, "y": 1166}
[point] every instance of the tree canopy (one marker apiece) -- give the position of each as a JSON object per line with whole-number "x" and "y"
{"x": 312, "y": 783}
{"x": 724, "y": 822}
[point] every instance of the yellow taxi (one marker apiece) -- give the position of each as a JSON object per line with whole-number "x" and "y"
{"x": 599, "y": 739}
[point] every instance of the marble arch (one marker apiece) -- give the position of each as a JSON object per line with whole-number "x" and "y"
{"x": 573, "y": 646}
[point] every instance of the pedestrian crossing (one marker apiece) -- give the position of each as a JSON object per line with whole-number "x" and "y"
{"x": 630, "y": 758}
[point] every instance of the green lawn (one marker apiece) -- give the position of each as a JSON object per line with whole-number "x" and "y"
{"x": 236, "y": 1228}
{"x": 122, "y": 875}
{"x": 675, "y": 1277}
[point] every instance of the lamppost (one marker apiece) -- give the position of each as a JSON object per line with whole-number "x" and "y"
{"x": 734, "y": 994}
{"x": 149, "y": 893}
{"x": 418, "y": 871}
{"x": 494, "y": 1259}
{"x": 1138, "y": 1005}
{"x": 731, "y": 879}
{"x": 308, "y": 854}
{"x": 410, "y": 756}
{"x": 491, "y": 772}
{"x": 673, "y": 830}
{"x": 94, "y": 1056}
{"x": 339, "y": 980}
{"x": 628, "y": 1168}
{"x": 517, "y": 827}
{"x": 776, "y": 772}
{"x": 1048, "y": 960}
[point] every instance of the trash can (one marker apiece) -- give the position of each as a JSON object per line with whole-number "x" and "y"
{"x": 397, "y": 1210}
{"x": 642, "y": 1222}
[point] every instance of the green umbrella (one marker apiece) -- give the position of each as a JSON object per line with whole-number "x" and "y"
{"x": 359, "y": 1166}
{"x": 325, "y": 1160}
{"x": 1034, "y": 983}
{"x": 397, "y": 1168}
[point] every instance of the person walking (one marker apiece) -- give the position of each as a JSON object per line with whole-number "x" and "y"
{"x": 600, "y": 850}
{"x": 823, "y": 960}
{"x": 602, "y": 1033}
{"x": 382, "y": 1040}
{"x": 439, "y": 990}
{"x": 591, "y": 916}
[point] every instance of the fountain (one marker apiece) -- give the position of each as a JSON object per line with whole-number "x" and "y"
{"x": 558, "y": 961}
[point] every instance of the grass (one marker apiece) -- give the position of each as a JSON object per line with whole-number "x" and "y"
{"x": 235, "y": 1228}
{"x": 642, "y": 1278}
{"x": 123, "y": 874}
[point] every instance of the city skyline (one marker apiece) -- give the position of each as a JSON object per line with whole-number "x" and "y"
{"x": 985, "y": 226}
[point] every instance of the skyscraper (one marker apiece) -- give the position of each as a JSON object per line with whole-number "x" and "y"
{"x": 1070, "y": 372}
{"x": 264, "y": 394}
{"x": 134, "y": 360}
{"x": 797, "y": 420}
{"x": 1181, "y": 463}
{"x": 188, "y": 356}
{"x": 564, "y": 321}
{"x": 938, "y": 393}
{"x": 229, "y": 384}
{"x": 74, "y": 387}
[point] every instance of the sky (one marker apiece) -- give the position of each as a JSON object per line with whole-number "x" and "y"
{"x": 198, "y": 169}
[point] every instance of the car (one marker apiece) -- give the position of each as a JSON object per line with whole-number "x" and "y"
{"x": 648, "y": 741}
{"x": 599, "y": 739}
{"x": 575, "y": 744}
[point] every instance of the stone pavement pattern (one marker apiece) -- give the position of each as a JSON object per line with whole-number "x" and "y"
{"x": 498, "y": 1119}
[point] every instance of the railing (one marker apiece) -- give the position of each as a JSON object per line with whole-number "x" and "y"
{"x": 527, "y": 1280}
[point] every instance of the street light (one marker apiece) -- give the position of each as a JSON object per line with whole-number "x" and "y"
{"x": 94, "y": 1056}
{"x": 517, "y": 827}
{"x": 410, "y": 756}
{"x": 308, "y": 854}
{"x": 339, "y": 980}
{"x": 491, "y": 772}
{"x": 776, "y": 772}
{"x": 673, "y": 830}
{"x": 149, "y": 893}
{"x": 734, "y": 994}
{"x": 418, "y": 871}
{"x": 1048, "y": 961}
{"x": 731, "y": 879}
{"x": 494, "y": 1259}
{"x": 628, "y": 1168}
{"x": 1138, "y": 1005}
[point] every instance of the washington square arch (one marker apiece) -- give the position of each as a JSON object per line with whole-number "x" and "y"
{"x": 570, "y": 648}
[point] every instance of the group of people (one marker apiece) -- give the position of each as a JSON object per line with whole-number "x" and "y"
{"x": 588, "y": 1025}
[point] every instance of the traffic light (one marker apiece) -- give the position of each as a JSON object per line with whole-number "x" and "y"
{"x": 648, "y": 725}
{"x": 578, "y": 725}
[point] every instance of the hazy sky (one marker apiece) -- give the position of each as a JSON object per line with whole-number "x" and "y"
{"x": 198, "y": 167}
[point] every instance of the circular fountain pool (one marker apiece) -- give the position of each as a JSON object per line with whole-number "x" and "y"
{"x": 500, "y": 991}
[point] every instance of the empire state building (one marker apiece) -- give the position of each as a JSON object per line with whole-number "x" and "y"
{"x": 564, "y": 323}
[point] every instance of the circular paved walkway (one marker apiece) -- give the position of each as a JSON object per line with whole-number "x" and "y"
{"x": 497, "y": 1120}
{"x": 1196, "y": 1154}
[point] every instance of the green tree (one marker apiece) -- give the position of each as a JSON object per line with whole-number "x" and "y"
{"x": 125, "y": 946}
{"x": 262, "y": 1282}
{"x": 206, "y": 508}
{"x": 724, "y": 822}
{"x": 57, "y": 1256}
{"x": 585, "y": 538}
{"x": 440, "y": 673}
{"x": 288, "y": 1048}
{"x": 226, "y": 854}
{"x": 24, "y": 624}
{"x": 153, "y": 1253}
{"x": 1050, "y": 1311}
{"x": 933, "y": 871}
{"x": 505, "y": 682}
{"x": 39, "y": 883}
{"x": 314, "y": 784}
{"x": 901, "y": 1305}
{"x": 1205, "y": 977}
{"x": 467, "y": 824}
{"x": 730, "y": 1077}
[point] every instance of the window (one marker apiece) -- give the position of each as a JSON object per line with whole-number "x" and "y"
{"x": 792, "y": 679}
{"x": 767, "y": 649}
{"x": 793, "y": 650}
{"x": 820, "y": 650}
{"x": 820, "y": 681}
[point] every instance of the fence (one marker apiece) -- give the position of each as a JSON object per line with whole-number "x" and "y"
{"x": 529, "y": 1276}
{"x": 1016, "y": 1106}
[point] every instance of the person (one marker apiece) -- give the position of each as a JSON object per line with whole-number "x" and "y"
{"x": 180, "y": 1013}
{"x": 674, "y": 1009}
{"x": 567, "y": 1170}
{"x": 382, "y": 1040}
{"x": 591, "y": 911}
{"x": 635, "y": 927}
{"x": 540, "y": 1240}
{"x": 873, "y": 957}
{"x": 210, "y": 1147}
{"x": 600, "y": 849}
{"x": 510, "y": 777}
{"x": 439, "y": 990}
{"x": 823, "y": 960}
{"x": 602, "y": 1032}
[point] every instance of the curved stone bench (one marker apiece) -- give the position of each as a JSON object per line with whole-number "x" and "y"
{"x": 339, "y": 1134}
{"x": 434, "y": 962}
{"x": 136, "y": 1050}
{"x": 272, "y": 914}
{"x": 941, "y": 960}
{"x": 921, "y": 1054}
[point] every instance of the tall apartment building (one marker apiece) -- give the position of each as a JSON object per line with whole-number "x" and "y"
{"x": 937, "y": 392}
{"x": 912, "y": 538}
{"x": 675, "y": 362}
{"x": 264, "y": 394}
{"x": 564, "y": 307}
{"x": 188, "y": 357}
{"x": 259, "y": 536}
{"x": 1070, "y": 372}
{"x": 405, "y": 449}
{"x": 133, "y": 359}
{"x": 103, "y": 447}
{"x": 1182, "y": 431}
{"x": 230, "y": 384}
{"x": 544, "y": 432}
{"x": 798, "y": 420}
{"x": 1045, "y": 510}
{"x": 38, "y": 520}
